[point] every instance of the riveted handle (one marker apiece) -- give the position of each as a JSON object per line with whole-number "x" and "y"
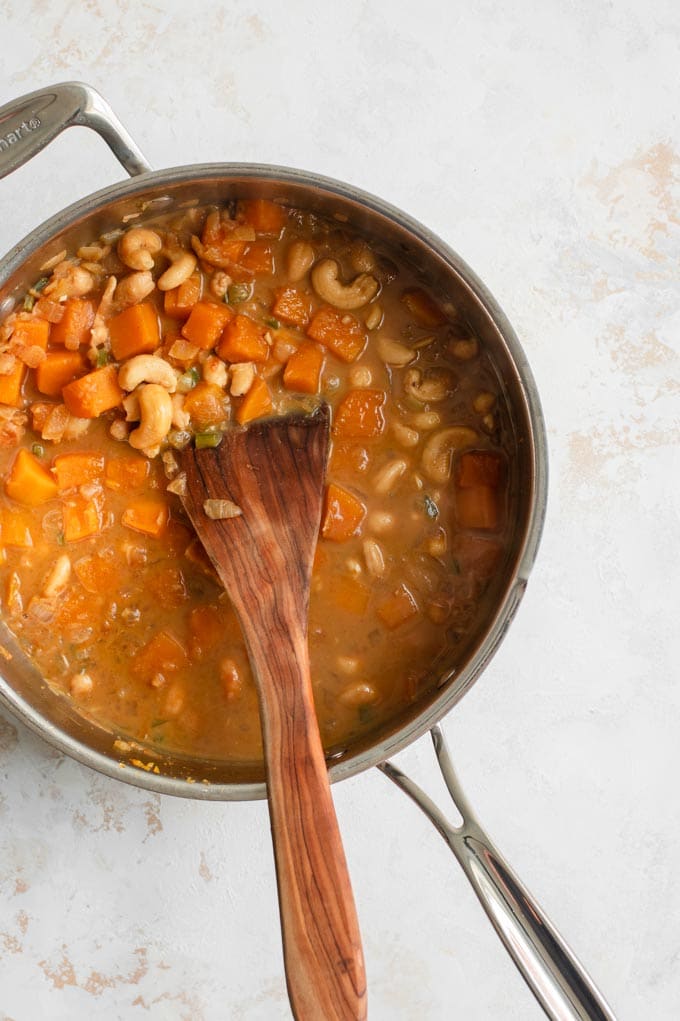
{"x": 558, "y": 980}
{"x": 31, "y": 122}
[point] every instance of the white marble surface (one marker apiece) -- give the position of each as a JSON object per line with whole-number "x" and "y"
{"x": 541, "y": 141}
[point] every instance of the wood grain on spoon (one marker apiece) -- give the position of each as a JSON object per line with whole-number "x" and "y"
{"x": 273, "y": 473}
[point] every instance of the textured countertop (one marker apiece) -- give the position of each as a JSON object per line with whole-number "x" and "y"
{"x": 540, "y": 141}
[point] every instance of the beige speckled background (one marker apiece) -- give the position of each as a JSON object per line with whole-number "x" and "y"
{"x": 542, "y": 141}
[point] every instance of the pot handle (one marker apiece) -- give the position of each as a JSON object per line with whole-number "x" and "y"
{"x": 559, "y": 982}
{"x": 31, "y": 122}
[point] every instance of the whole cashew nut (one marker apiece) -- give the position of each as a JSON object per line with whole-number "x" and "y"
{"x": 434, "y": 385}
{"x": 155, "y": 405}
{"x": 138, "y": 246}
{"x": 439, "y": 448}
{"x": 180, "y": 271}
{"x": 147, "y": 369}
{"x": 343, "y": 296}
{"x": 133, "y": 288}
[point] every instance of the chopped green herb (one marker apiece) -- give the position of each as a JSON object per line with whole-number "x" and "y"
{"x": 236, "y": 293}
{"x": 102, "y": 357}
{"x": 271, "y": 321}
{"x": 431, "y": 508}
{"x": 208, "y": 440}
{"x": 38, "y": 450}
{"x": 29, "y": 302}
{"x": 158, "y": 723}
{"x": 61, "y": 539}
{"x": 190, "y": 378}
{"x": 39, "y": 285}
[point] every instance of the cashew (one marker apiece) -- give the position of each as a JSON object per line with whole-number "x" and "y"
{"x": 299, "y": 259}
{"x": 434, "y": 385}
{"x": 404, "y": 435}
{"x": 343, "y": 296}
{"x": 147, "y": 369}
{"x": 138, "y": 246}
{"x": 134, "y": 288}
{"x": 155, "y": 405}
{"x": 180, "y": 271}
{"x": 439, "y": 449}
{"x": 394, "y": 353}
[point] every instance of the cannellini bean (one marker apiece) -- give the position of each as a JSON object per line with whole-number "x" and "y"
{"x": 380, "y": 522}
{"x": 242, "y": 376}
{"x": 425, "y": 420}
{"x": 230, "y": 678}
{"x": 404, "y": 435}
{"x": 374, "y": 557}
{"x": 58, "y": 578}
{"x": 215, "y": 371}
{"x": 355, "y": 695}
{"x": 299, "y": 260}
{"x": 360, "y": 376}
{"x": 394, "y": 353}
{"x": 386, "y": 478}
{"x": 374, "y": 317}
{"x": 348, "y": 664}
{"x": 174, "y": 700}
{"x": 464, "y": 349}
{"x": 119, "y": 430}
{"x": 483, "y": 402}
{"x": 81, "y": 685}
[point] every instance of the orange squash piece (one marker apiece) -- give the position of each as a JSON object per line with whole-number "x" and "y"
{"x": 256, "y": 403}
{"x": 127, "y": 472}
{"x": 11, "y": 384}
{"x": 265, "y": 216}
{"x": 348, "y": 458}
{"x": 58, "y": 369}
{"x": 341, "y": 332}
{"x": 479, "y": 507}
{"x": 205, "y": 630}
{"x": 360, "y": 415}
{"x": 206, "y": 404}
{"x": 73, "y": 329}
{"x": 423, "y": 308}
{"x": 134, "y": 331}
{"x": 350, "y": 594}
{"x": 303, "y": 369}
{"x": 480, "y": 468}
{"x": 31, "y": 332}
{"x": 258, "y": 257}
{"x": 16, "y": 527}
{"x": 476, "y": 554}
{"x": 397, "y": 608}
{"x": 290, "y": 306}
{"x": 78, "y": 468}
{"x": 342, "y": 514}
{"x": 164, "y": 654}
{"x": 93, "y": 394}
{"x": 147, "y": 515}
{"x": 97, "y": 574}
{"x": 243, "y": 341}
{"x": 29, "y": 482}
{"x": 206, "y": 323}
{"x": 81, "y": 517}
{"x": 178, "y": 302}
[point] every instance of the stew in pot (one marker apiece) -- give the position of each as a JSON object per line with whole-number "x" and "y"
{"x": 169, "y": 333}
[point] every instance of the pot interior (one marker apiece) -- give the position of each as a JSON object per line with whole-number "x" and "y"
{"x": 22, "y": 689}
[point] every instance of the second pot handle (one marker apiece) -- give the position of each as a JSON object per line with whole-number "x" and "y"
{"x": 559, "y": 982}
{"x": 31, "y": 122}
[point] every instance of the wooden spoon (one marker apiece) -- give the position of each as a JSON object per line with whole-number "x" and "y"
{"x": 272, "y": 474}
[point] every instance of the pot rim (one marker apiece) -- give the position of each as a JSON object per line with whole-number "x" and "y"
{"x": 507, "y": 601}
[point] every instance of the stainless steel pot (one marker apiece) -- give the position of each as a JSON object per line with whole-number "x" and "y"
{"x": 27, "y": 125}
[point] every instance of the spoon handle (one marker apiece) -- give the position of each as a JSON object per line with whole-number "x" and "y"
{"x": 321, "y": 939}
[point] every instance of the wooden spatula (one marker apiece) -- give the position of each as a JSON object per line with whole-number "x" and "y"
{"x": 270, "y": 478}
